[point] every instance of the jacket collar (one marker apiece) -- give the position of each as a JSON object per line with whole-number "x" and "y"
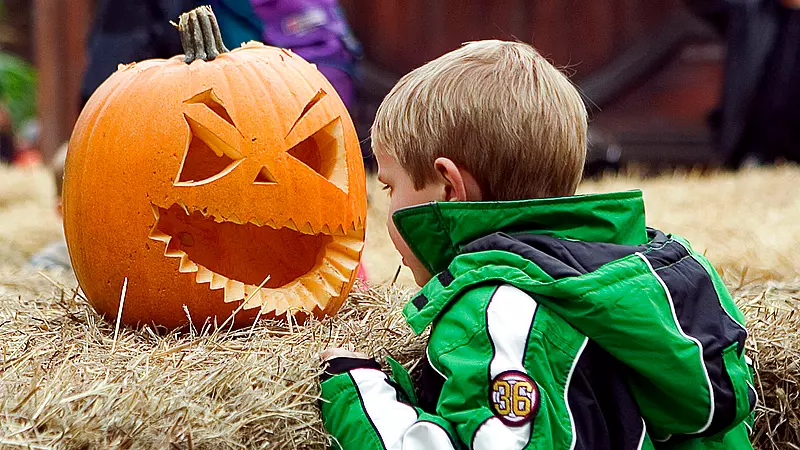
{"x": 437, "y": 231}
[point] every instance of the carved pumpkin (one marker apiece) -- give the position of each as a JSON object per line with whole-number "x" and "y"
{"x": 198, "y": 179}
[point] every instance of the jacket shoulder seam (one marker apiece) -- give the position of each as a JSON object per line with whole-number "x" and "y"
{"x": 461, "y": 342}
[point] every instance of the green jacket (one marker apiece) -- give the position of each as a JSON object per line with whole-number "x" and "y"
{"x": 556, "y": 324}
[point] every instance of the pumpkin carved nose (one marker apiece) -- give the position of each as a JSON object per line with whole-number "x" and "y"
{"x": 264, "y": 177}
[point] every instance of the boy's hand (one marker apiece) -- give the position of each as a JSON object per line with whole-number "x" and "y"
{"x": 339, "y": 360}
{"x": 332, "y": 353}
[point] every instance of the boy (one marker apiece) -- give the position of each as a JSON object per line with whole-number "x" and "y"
{"x": 557, "y": 321}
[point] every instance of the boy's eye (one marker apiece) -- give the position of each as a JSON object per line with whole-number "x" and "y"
{"x": 386, "y": 187}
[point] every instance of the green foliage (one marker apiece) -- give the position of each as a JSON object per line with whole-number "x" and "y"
{"x": 17, "y": 88}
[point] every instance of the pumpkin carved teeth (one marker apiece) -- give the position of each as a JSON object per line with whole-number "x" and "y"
{"x": 234, "y": 290}
{"x": 290, "y": 225}
{"x": 218, "y": 217}
{"x": 184, "y": 233}
{"x": 307, "y": 229}
{"x": 187, "y": 266}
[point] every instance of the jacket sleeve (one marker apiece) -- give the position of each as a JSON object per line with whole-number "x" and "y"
{"x": 362, "y": 408}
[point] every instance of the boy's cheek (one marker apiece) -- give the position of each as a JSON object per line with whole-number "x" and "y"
{"x": 421, "y": 275}
{"x": 410, "y": 260}
{"x": 397, "y": 240}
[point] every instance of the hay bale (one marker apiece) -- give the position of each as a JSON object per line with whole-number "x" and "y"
{"x": 65, "y": 382}
{"x": 773, "y": 319}
{"x": 747, "y": 221}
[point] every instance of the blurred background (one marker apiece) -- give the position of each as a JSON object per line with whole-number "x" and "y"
{"x": 670, "y": 82}
{"x": 705, "y": 87}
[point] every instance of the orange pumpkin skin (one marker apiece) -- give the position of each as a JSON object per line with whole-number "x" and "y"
{"x": 198, "y": 181}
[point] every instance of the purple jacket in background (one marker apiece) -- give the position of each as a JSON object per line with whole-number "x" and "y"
{"x": 315, "y": 30}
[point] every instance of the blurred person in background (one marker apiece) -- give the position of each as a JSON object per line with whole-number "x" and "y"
{"x": 18, "y": 147}
{"x": 125, "y": 31}
{"x": 756, "y": 122}
{"x": 27, "y": 142}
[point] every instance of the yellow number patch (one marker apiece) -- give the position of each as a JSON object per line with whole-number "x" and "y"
{"x": 514, "y": 398}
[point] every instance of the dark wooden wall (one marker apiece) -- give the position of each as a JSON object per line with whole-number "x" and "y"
{"x": 400, "y": 35}
{"x": 16, "y": 26}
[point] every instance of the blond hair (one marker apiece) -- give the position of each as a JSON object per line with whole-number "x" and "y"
{"x": 497, "y": 109}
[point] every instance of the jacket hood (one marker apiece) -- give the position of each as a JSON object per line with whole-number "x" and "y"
{"x": 436, "y": 232}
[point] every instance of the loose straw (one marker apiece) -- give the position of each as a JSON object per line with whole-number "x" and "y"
{"x": 119, "y": 313}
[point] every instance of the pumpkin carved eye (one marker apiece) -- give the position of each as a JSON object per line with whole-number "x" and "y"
{"x": 323, "y": 152}
{"x": 313, "y": 102}
{"x": 209, "y": 156}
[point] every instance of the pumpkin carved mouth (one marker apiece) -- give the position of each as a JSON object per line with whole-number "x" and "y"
{"x": 238, "y": 256}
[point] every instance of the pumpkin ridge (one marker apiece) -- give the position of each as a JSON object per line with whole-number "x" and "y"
{"x": 291, "y": 65}
{"x": 249, "y": 70}
{"x": 108, "y": 100}
{"x": 230, "y": 107}
{"x": 296, "y": 75}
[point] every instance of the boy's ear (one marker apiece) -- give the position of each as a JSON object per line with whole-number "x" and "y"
{"x": 459, "y": 185}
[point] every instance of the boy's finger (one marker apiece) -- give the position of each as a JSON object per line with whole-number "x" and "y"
{"x": 341, "y": 353}
{"x": 326, "y": 354}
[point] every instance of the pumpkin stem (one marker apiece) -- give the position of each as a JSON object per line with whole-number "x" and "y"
{"x": 200, "y": 35}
